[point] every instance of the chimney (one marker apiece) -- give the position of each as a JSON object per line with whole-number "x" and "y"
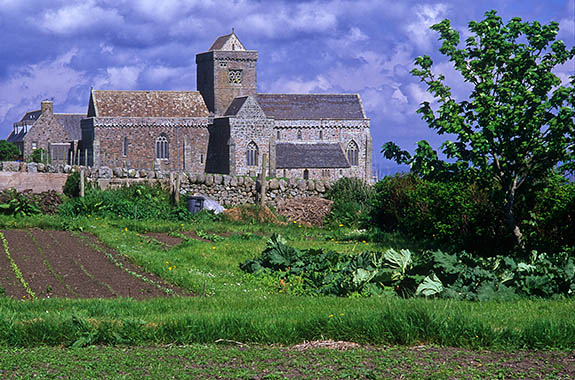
{"x": 47, "y": 107}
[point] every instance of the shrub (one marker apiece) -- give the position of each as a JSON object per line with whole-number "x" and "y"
{"x": 139, "y": 201}
{"x": 451, "y": 214}
{"x": 72, "y": 185}
{"x": 39, "y": 156}
{"x": 352, "y": 199}
{"x": 8, "y": 151}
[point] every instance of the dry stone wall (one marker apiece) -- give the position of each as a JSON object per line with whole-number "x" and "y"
{"x": 226, "y": 189}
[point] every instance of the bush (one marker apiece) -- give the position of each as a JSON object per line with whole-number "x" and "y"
{"x": 455, "y": 215}
{"x": 39, "y": 156}
{"x": 8, "y": 151}
{"x": 139, "y": 201}
{"x": 352, "y": 201}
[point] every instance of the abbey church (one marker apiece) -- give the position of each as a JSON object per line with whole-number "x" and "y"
{"x": 224, "y": 127}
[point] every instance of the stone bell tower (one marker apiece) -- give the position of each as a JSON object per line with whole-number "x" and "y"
{"x": 227, "y": 70}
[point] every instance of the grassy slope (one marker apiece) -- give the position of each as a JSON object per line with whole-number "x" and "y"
{"x": 239, "y": 308}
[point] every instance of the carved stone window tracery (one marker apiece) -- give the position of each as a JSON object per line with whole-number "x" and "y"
{"x": 353, "y": 153}
{"x": 235, "y": 76}
{"x": 252, "y": 154}
{"x": 162, "y": 147}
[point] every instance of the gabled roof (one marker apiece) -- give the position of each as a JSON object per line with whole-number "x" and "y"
{"x": 235, "y": 106}
{"x": 301, "y": 156}
{"x": 147, "y": 104}
{"x": 71, "y": 124}
{"x": 30, "y": 117}
{"x": 227, "y": 42}
{"x": 311, "y": 106}
{"x": 14, "y": 138}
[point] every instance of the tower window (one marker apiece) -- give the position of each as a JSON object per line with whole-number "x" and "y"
{"x": 235, "y": 76}
{"x": 321, "y": 135}
{"x": 252, "y": 154}
{"x": 352, "y": 153}
{"x": 162, "y": 148}
{"x": 299, "y": 134}
{"x": 278, "y": 137}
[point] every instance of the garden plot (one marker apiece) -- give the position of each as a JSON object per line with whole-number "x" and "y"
{"x": 45, "y": 264}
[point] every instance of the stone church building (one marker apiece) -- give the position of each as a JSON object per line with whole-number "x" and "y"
{"x": 226, "y": 126}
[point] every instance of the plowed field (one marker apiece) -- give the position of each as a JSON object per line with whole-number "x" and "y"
{"x": 69, "y": 265}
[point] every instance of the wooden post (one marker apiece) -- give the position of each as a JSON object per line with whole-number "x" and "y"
{"x": 263, "y": 180}
{"x": 177, "y": 190}
{"x": 82, "y": 183}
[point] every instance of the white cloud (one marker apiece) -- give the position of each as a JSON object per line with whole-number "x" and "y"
{"x": 119, "y": 78}
{"x": 80, "y": 16}
{"x": 33, "y": 83}
{"x": 299, "y": 86}
{"x": 426, "y": 15}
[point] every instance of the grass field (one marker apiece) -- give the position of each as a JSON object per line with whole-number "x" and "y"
{"x": 232, "y": 306}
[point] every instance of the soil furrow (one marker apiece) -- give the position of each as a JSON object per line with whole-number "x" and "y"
{"x": 89, "y": 240}
{"x": 65, "y": 263}
{"x": 8, "y": 280}
{"x": 98, "y": 265}
{"x": 34, "y": 267}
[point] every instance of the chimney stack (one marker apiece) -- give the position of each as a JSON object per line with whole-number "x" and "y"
{"x": 47, "y": 107}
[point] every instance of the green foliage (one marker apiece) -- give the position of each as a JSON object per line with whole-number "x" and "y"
{"x": 72, "y": 185}
{"x": 133, "y": 202}
{"x": 8, "y": 151}
{"x": 465, "y": 276}
{"x": 18, "y": 204}
{"x": 333, "y": 273}
{"x": 352, "y": 199}
{"x": 39, "y": 156}
{"x": 450, "y": 214}
{"x": 517, "y": 124}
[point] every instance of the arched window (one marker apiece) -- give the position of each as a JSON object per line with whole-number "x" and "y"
{"x": 252, "y": 154}
{"x": 306, "y": 174}
{"x": 299, "y": 134}
{"x": 352, "y": 153}
{"x": 321, "y": 135}
{"x": 162, "y": 148}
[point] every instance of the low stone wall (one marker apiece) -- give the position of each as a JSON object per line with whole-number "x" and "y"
{"x": 228, "y": 190}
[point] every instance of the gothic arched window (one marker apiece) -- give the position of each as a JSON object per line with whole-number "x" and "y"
{"x": 352, "y": 153}
{"x": 162, "y": 147}
{"x": 299, "y": 134}
{"x": 252, "y": 154}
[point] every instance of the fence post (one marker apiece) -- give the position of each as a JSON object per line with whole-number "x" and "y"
{"x": 82, "y": 184}
{"x": 263, "y": 180}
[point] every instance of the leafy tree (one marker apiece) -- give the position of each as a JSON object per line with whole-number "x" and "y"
{"x": 517, "y": 124}
{"x": 8, "y": 150}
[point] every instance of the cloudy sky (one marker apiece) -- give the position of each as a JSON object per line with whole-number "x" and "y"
{"x": 58, "y": 49}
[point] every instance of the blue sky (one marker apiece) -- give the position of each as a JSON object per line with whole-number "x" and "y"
{"x": 58, "y": 49}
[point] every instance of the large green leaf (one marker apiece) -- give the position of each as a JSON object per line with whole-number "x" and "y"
{"x": 430, "y": 286}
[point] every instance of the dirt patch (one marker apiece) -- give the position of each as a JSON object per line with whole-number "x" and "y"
{"x": 61, "y": 264}
{"x": 329, "y": 344}
{"x": 309, "y": 210}
{"x": 165, "y": 239}
{"x": 251, "y": 213}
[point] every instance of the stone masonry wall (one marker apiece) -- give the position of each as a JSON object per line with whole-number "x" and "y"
{"x": 228, "y": 190}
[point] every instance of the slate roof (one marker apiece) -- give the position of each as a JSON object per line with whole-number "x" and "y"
{"x": 149, "y": 104}
{"x": 14, "y": 138}
{"x": 311, "y": 106}
{"x": 235, "y": 106}
{"x": 30, "y": 116}
{"x": 320, "y": 155}
{"x": 71, "y": 124}
{"x": 220, "y": 42}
